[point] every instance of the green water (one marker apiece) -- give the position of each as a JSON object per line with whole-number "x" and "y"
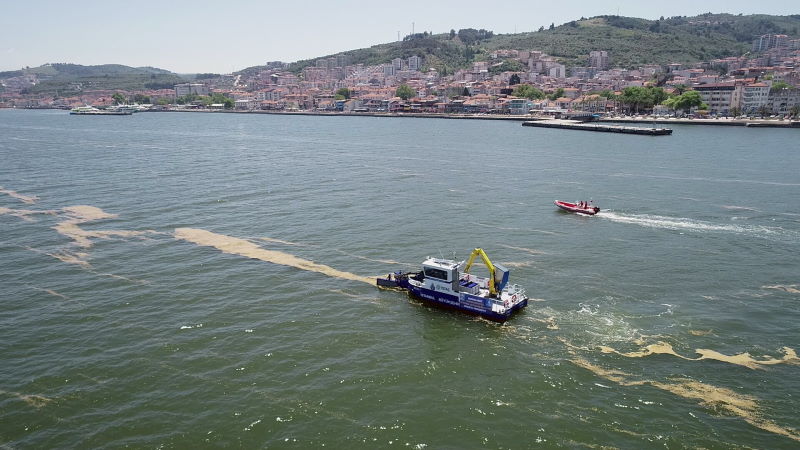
{"x": 670, "y": 320}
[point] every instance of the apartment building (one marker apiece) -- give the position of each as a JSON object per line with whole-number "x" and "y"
{"x": 754, "y": 96}
{"x": 598, "y": 59}
{"x": 720, "y": 97}
{"x": 190, "y": 88}
{"x": 768, "y": 41}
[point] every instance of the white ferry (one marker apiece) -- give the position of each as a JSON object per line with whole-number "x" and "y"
{"x": 92, "y": 111}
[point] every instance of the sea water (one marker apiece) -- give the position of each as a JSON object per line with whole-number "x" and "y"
{"x": 185, "y": 280}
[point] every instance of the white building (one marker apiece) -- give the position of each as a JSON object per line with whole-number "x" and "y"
{"x": 557, "y": 71}
{"x": 754, "y": 96}
{"x": 190, "y": 88}
{"x": 414, "y": 63}
{"x": 397, "y": 64}
{"x": 768, "y": 41}
{"x": 598, "y": 59}
{"x": 782, "y": 101}
{"x": 720, "y": 97}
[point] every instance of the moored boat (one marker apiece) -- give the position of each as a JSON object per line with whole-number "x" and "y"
{"x": 92, "y": 111}
{"x": 578, "y": 207}
{"x": 447, "y": 283}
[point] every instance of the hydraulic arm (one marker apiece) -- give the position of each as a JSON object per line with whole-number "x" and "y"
{"x": 487, "y": 262}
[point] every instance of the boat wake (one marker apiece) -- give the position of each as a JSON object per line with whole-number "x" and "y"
{"x": 700, "y": 226}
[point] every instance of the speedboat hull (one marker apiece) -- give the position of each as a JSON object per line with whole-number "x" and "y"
{"x": 576, "y": 208}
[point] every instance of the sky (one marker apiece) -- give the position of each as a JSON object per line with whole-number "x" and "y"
{"x": 226, "y": 36}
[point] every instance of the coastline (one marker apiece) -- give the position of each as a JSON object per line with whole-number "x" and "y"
{"x": 756, "y": 123}
{"x": 760, "y": 123}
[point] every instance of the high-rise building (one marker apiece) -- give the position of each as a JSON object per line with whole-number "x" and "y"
{"x": 414, "y": 63}
{"x": 768, "y": 41}
{"x": 598, "y": 59}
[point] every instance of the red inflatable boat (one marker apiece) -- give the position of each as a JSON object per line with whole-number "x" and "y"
{"x": 580, "y": 207}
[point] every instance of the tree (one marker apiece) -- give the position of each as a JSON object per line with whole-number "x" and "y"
{"x": 465, "y": 92}
{"x": 141, "y": 98}
{"x": 555, "y": 95}
{"x": 528, "y": 91}
{"x": 343, "y": 94}
{"x": 637, "y": 97}
{"x": 763, "y": 111}
{"x": 794, "y": 111}
{"x": 541, "y": 28}
{"x": 685, "y": 101}
{"x": 607, "y": 93}
{"x": 658, "y": 95}
{"x": 552, "y": 26}
{"x": 218, "y": 97}
{"x": 779, "y": 85}
{"x": 118, "y": 98}
{"x": 736, "y": 111}
{"x": 513, "y": 80}
{"x": 405, "y": 92}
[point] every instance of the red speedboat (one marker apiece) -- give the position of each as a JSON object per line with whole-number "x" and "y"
{"x": 581, "y": 207}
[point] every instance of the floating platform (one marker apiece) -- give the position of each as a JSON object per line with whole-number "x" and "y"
{"x": 573, "y": 125}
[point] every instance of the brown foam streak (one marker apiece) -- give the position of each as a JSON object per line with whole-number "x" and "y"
{"x": 523, "y": 249}
{"x": 37, "y": 401}
{"x": 25, "y": 213}
{"x": 51, "y": 292}
{"x": 29, "y": 199}
{"x": 236, "y": 246}
{"x": 791, "y": 288}
{"x": 717, "y": 398}
{"x": 70, "y": 227}
{"x": 742, "y": 359}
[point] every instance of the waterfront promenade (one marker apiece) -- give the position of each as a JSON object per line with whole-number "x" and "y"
{"x": 765, "y": 123}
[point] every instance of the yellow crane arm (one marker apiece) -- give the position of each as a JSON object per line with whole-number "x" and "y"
{"x": 487, "y": 262}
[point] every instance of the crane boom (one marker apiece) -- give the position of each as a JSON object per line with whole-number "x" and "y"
{"x": 487, "y": 262}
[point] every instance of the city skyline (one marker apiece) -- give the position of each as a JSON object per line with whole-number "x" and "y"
{"x": 185, "y": 37}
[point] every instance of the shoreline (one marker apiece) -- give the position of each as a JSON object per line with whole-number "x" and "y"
{"x": 759, "y": 123}
{"x": 756, "y": 123}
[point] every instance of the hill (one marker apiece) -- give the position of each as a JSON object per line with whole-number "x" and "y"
{"x": 70, "y": 79}
{"x": 630, "y": 41}
{"x": 633, "y": 42}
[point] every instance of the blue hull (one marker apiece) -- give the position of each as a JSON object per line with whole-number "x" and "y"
{"x": 466, "y": 303}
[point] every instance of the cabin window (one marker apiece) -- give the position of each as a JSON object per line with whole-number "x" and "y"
{"x": 436, "y": 273}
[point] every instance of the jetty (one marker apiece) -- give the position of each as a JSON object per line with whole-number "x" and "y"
{"x": 594, "y": 126}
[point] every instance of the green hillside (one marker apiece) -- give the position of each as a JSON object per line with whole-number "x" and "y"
{"x": 69, "y": 79}
{"x": 630, "y": 41}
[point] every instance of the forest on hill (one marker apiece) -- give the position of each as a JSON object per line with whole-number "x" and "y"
{"x": 630, "y": 41}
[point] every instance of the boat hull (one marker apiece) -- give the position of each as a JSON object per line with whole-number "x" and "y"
{"x": 572, "y": 207}
{"x": 463, "y": 302}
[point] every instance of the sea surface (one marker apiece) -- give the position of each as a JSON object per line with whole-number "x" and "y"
{"x": 188, "y": 280}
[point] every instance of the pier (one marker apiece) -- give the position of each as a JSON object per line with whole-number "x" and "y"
{"x": 594, "y": 126}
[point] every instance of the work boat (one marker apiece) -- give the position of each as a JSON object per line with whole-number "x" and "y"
{"x": 447, "y": 283}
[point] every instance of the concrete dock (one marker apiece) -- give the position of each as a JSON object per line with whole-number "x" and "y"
{"x": 594, "y": 126}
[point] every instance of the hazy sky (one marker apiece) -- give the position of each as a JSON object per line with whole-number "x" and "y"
{"x": 224, "y": 36}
